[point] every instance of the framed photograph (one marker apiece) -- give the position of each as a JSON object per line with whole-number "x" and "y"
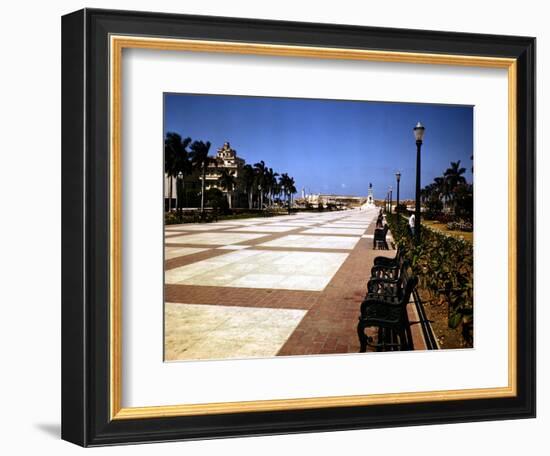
{"x": 278, "y": 227}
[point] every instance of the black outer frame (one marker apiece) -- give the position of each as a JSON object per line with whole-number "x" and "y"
{"x": 85, "y": 227}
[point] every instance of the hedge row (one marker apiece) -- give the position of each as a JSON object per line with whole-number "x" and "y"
{"x": 445, "y": 269}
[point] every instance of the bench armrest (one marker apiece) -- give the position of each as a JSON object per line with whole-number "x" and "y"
{"x": 385, "y": 261}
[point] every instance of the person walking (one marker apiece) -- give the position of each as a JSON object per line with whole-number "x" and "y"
{"x": 411, "y": 224}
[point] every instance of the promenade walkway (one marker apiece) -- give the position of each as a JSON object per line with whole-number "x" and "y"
{"x": 261, "y": 287}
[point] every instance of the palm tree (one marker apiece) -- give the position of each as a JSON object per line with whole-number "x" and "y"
{"x": 246, "y": 182}
{"x": 287, "y": 182}
{"x": 283, "y": 184}
{"x": 454, "y": 177}
{"x": 227, "y": 182}
{"x": 200, "y": 160}
{"x": 428, "y": 192}
{"x": 441, "y": 189}
{"x": 463, "y": 201}
{"x": 183, "y": 168}
{"x": 176, "y": 160}
{"x": 261, "y": 170}
{"x": 277, "y": 189}
{"x": 431, "y": 196}
{"x": 171, "y": 145}
{"x": 271, "y": 182}
{"x": 291, "y": 188}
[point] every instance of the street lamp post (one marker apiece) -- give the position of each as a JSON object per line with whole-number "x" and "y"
{"x": 418, "y": 135}
{"x": 398, "y": 178}
{"x": 179, "y": 191}
{"x": 391, "y": 198}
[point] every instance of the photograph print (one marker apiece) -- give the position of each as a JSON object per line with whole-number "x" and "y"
{"x": 315, "y": 226}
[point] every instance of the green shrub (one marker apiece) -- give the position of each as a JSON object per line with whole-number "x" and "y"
{"x": 175, "y": 217}
{"x": 451, "y": 226}
{"x": 434, "y": 206}
{"x": 171, "y": 218}
{"x": 445, "y": 268}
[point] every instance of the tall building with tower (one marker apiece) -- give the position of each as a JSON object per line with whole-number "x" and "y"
{"x": 226, "y": 159}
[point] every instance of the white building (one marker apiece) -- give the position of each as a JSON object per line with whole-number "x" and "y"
{"x": 226, "y": 158}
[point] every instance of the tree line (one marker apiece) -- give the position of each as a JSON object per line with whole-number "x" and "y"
{"x": 449, "y": 192}
{"x": 262, "y": 186}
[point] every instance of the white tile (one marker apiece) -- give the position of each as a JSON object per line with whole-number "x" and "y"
{"x": 272, "y": 228}
{"x": 249, "y": 221}
{"x": 235, "y": 256}
{"x": 261, "y": 269}
{"x": 305, "y": 282}
{"x": 345, "y": 225}
{"x": 216, "y": 277}
{"x": 336, "y": 230}
{"x": 315, "y": 242}
{"x": 195, "y": 332}
{"x": 295, "y": 224}
{"x": 254, "y": 280}
{"x": 197, "y": 227}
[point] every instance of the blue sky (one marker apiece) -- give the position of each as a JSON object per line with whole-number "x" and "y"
{"x": 330, "y": 146}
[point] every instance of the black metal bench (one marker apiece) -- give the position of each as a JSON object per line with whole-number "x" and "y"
{"x": 387, "y": 261}
{"x": 385, "y": 307}
{"x": 380, "y": 238}
{"x": 388, "y": 268}
{"x": 388, "y": 285}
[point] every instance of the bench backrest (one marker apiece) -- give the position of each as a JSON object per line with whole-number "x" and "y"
{"x": 380, "y": 233}
{"x": 407, "y": 282}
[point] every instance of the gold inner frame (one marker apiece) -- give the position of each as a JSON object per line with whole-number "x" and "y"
{"x": 117, "y": 44}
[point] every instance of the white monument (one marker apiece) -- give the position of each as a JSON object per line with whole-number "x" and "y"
{"x": 370, "y": 198}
